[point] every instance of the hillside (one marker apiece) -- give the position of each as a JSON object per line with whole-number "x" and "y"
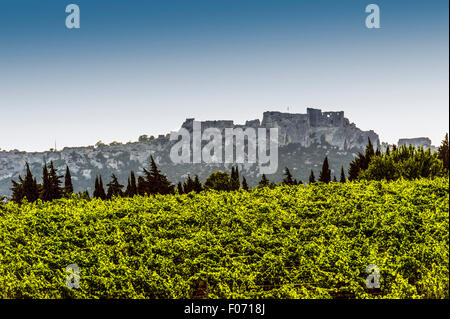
{"x": 287, "y": 242}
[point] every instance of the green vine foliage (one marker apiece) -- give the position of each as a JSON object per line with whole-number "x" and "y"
{"x": 286, "y": 242}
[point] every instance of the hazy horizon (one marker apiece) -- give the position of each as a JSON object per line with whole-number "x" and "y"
{"x": 136, "y": 68}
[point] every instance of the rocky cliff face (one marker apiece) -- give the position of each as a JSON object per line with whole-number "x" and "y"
{"x": 304, "y": 139}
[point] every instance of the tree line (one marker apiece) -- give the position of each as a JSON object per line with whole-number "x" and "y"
{"x": 401, "y": 162}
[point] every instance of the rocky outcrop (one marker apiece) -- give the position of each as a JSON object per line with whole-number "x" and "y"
{"x": 305, "y": 139}
{"x": 316, "y": 127}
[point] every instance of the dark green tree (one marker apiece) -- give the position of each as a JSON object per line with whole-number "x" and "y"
{"x": 155, "y": 182}
{"x": 133, "y": 187}
{"x": 180, "y": 188}
{"x": 334, "y": 179}
{"x": 198, "y": 187}
{"x": 188, "y": 185}
{"x": 68, "y": 186}
{"x": 342, "y": 179}
{"x": 219, "y": 181}
{"x": 55, "y": 182}
{"x": 25, "y": 188}
{"x": 142, "y": 186}
{"x": 312, "y": 178}
{"x": 443, "y": 152}
{"x": 288, "y": 180}
{"x": 114, "y": 188}
{"x": 235, "y": 183}
{"x": 264, "y": 182}
{"x": 30, "y": 186}
{"x": 244, "y": 184}
{"x": 46, "y": 190}
{"x": 17, "y": 190}
{"x": 99, "y": 190}
{"x": 325, "y": 174}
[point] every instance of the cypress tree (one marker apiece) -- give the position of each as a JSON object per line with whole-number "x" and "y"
{"x": 188, "y": 185}
{"x": 334, "y": 179}
{"x": 388, "y": 151}
{"x": 198, "y": 187}
{"x": 96, "y": 188}
{"x": 30, "y": 187}
{"x": 325, "y": 174}
{"x": 235, "y": 183}
{"x": 244, "y": 184}
{"x": 342, "y": 179}
{"x": 68, "y": 187}
{"x": 180, "y": 188}
{"x": 46, "y": 191}
{"x": 55, "y": 183}
{"x": 101, "y": 189}
{"x": 127, "y": 190}
{"x": 133, "y": 187}
{"x": 312, "y": 178}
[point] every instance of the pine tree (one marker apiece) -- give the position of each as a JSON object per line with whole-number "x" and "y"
{"x": 334, "y": 179}
{"x": 244, "y": 184}
{"x": 157, "y": 183}
{"x": 114, "y": 188}
{"x": 342, "y": 179}
{"x": 388, "y": 151}
{"x": 325, "y": 174}
{"x": 288, "y": 180}
{"x": 68, "y": 187}
{"x": 235, "y": 183}
{"x": 312, "y": 178}
{"x": 443, "y": 152}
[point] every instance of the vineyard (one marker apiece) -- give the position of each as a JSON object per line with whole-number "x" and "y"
{"x": 287, "y": 242}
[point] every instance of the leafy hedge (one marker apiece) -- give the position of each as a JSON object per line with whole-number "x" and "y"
{"x": 287, "y": 242}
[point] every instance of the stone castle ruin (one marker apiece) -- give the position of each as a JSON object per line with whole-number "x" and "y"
{"x": 313, "y": 128}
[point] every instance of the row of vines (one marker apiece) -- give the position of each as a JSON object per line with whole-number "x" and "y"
{"x": 287, "y": 242}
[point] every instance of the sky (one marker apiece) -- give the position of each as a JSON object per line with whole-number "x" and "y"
{"x": 143, "y": 67}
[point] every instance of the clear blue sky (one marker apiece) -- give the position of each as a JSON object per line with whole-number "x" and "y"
{"x": 142, "y": 67}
